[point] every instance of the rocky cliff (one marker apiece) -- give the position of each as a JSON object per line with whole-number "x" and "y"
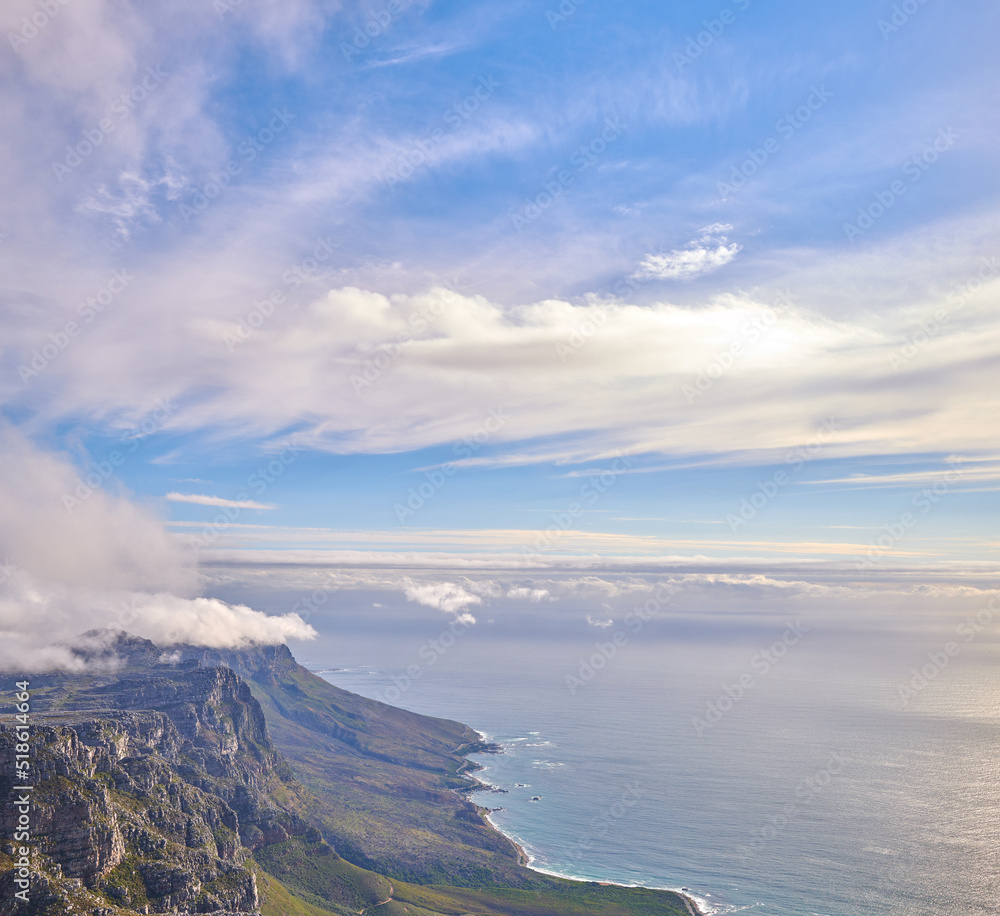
{"x": 151, "y": 793}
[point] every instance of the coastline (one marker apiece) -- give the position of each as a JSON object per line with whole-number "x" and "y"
{"x": 525, "y": 858}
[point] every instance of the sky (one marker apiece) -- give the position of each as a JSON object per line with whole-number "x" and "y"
{"x": 419, "y": 288}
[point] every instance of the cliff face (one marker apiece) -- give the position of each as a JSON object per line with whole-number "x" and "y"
{"x": 151, "y": 793}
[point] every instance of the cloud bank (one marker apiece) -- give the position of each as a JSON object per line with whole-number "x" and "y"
{"x": 744, "y": 373}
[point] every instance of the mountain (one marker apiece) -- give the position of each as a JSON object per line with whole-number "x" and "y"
{"x": 194, "y": 780}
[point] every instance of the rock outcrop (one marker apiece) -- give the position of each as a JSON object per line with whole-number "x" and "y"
{"x": 151, "y": 792}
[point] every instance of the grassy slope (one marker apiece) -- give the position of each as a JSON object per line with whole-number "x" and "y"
{"x": 383, "y": 779}
{"x": 322, "y": 884}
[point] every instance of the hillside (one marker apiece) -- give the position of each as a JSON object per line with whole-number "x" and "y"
{"x": 240, "y": 783}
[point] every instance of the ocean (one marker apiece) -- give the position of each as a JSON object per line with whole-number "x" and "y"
{"x": 852, "y": 772}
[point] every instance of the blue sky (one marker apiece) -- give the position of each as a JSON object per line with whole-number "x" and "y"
{"x": 722, "y": 277}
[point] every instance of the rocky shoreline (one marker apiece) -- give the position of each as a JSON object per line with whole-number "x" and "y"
{"x": 523, "y": 857}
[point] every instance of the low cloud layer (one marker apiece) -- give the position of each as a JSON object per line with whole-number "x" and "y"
{"x": 680, "y": 597}
{"x": 75, "y": 557}
{"x": 35, "y": 615}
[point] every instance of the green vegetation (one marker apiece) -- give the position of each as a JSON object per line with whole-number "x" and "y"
{"x": 316, "y": 873}
{"x": 276, "y": 900}
{"x": 124, "y": 885}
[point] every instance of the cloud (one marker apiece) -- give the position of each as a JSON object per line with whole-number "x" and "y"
{"x": 200, "y": 500}
{"x": 444, "y": 596}
{"x": 165, "y": 335}
{"x": 978, "y": 473}
{"x": 649, "y": 379}
{"x": 77, "y": 557}
{"x": 34, "y": 615}
{"x": 700, "y": 256}
{"x": 534, "y": 595}
{"x": 599, "y": 624}
{"x": 60, "y": 524}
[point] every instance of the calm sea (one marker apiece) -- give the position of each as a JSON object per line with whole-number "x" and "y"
{"x": 817, "y": 786}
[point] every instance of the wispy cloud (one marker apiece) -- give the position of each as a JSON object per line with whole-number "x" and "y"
{"x": 976, "y": 473}
{"x": 198, "y": 499}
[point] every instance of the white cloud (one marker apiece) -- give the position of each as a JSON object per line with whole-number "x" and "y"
{"x": 700, "y": 256}
{"x": 444, "y": 596}
{"x": 200, "y": 500}
{"x": 34, "y": 615}
{"x": 599, "y": 624}
{"x": 534, "y": 595}
{"x": 62, "y": 525}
